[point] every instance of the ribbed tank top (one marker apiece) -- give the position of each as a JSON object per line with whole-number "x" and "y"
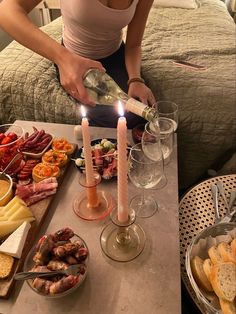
{"x": 92, "y": 29}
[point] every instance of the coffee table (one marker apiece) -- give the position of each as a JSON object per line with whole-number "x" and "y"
{"x": 148, "y": 284}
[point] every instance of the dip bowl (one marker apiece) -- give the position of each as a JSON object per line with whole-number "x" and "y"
{"x": 6, "y": 191}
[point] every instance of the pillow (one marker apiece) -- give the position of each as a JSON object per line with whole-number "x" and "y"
{"x": 185, "y": 4}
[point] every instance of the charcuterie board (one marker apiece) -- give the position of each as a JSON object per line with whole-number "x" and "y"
{"x": 40, "y": 210}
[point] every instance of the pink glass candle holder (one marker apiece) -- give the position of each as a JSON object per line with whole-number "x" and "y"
{"x": 93, "y": 203}
{"x": 122, "y": 242}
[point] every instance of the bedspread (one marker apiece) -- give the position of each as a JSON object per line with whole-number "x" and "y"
{"x": 29, "y": 89}
{"x": 206, "y": 99}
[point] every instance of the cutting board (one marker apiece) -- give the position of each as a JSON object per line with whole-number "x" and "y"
{"x": 40, "y": 211}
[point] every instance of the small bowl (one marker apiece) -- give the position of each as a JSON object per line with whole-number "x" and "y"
{"x": 29, "y": 264}
{"x": 40, "y": 154}
{"x": 6, "y": 196}
{"x": 9, "y": 150}
{"x": 199, "y": 246}
{"x": 100, "y": 169}
{"x": 137, "y": 133}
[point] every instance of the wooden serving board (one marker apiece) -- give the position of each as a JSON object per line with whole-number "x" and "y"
{"x": 40, "y": 211}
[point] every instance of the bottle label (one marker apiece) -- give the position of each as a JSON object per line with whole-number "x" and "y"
{"x": 135, "y": 106}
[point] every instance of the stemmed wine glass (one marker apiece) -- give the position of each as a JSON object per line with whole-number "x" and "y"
{"x": 144, "y": 173}
{"x": 158, "y": 140}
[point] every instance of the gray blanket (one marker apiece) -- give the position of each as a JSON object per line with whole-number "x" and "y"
{"x": 206, "y": 99}
{"x": 29, "y": 89}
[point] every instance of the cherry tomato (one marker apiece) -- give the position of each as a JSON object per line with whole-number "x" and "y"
{"x": 6, "y": 140}
{"x": 12, "y": 135}
{"x": 2, "y": 136}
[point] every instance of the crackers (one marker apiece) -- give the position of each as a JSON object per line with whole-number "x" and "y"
{"x": 6, "y": 264}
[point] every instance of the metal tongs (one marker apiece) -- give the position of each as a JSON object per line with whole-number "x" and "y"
{"x": 229, "y": 215}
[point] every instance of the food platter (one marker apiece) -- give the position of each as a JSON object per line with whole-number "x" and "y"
{"x": 39, "y": 210}
{"x": 104, "y": 157}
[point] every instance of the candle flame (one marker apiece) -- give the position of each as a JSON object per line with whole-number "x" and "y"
{"x": 83, "y": 111}
{"x": 120, "y": 108}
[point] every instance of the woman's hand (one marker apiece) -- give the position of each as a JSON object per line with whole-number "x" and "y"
{"x": 72, "y": 68}
{"x": 140, "y": 91}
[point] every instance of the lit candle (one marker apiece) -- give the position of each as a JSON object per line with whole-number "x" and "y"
{"x": 122, "y": 180}
{"x": 90, "y": 180}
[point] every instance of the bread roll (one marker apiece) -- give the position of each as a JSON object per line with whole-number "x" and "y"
{"x": 207, "y": 267}
{"x": 233, "y": 247}
{"x": 215, "y": 255}
{"x": 227, "y": 307}
{"x": 226, "y": 252}
{"x": 223, "y": 280}
{"x": 199, "y": 274}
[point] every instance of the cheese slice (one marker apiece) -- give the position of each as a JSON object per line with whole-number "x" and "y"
{"x": 11, "y": 210}
{"x": 21, "y": 213}
{"x": 3, "y": 218}
{"x": 15, "y": 200}
{"x": 7, "y": 227}
{"x": 14, "y": 244}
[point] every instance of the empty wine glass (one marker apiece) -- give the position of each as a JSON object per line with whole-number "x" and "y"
{"x": 144, "y": 173}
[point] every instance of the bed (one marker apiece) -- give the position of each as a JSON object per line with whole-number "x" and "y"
{"x": 29, "y": 89}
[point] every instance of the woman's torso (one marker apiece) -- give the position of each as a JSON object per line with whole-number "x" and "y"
{"x": 92, "y": 29}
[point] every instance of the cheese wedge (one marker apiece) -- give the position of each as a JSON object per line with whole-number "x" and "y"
{"x": 7, "y": 227}
{"x": 14, "y": 244}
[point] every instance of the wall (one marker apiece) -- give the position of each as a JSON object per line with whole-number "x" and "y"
{"x": 35, "y": 17}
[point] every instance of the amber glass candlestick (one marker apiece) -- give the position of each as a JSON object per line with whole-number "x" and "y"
{"x": 122, "y": 242}
{"x": 92, "y": 202}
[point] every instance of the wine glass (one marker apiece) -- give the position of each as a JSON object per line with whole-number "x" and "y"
{"x": 144, "y": 173}
{"x": 157, "y": 140}
{"x": 169, "y": 110}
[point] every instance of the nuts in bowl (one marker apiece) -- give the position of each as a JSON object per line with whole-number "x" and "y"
{"x": 211, "y": 267}
{"x": 57, "y": 251}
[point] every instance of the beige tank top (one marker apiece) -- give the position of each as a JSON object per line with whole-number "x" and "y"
{"x": 92, "y": 29}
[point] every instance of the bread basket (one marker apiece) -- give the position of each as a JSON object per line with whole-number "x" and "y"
{"x": 213, "y": 235}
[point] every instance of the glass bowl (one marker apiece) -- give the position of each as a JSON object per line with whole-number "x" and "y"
{"x": 6, "y": 191}
{"x": 213, "y": 235}
{"x": 29, "y": 264}
{"x": 11, "y": 136}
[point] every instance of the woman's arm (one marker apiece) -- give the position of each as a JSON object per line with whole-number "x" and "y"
{"x": 133, "y": 51}
{"x": 14, "y": 20}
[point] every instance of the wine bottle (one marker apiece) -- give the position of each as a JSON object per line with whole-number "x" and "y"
{"x": 104, "y": 90}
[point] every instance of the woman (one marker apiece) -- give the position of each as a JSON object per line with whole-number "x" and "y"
{"x": 92, "y": 38}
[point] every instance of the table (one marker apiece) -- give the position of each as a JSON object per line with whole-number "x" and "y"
{"x": 149, "y": 284}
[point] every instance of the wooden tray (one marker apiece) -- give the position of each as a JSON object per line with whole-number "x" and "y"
{"x": 40, "y": 211}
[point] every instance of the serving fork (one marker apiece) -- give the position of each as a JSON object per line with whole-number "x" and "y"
{"x": 71, "y": 270}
